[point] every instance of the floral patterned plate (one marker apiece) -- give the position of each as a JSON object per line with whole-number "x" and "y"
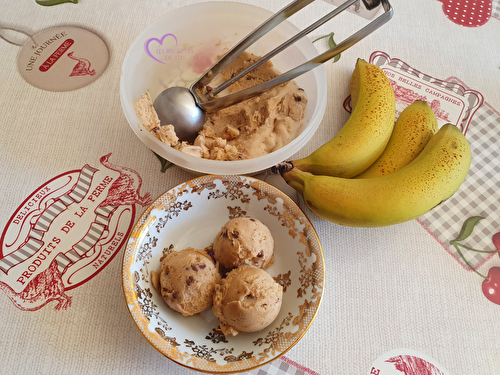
{"x": 190, "y": 215}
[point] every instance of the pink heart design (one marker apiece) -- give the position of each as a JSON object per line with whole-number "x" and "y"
{"x": 160, "y": 41}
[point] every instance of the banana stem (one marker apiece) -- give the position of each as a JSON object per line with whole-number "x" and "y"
{"x": 281, "y": 168}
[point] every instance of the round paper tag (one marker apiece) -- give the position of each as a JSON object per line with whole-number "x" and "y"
{"x": 63, "y": 59}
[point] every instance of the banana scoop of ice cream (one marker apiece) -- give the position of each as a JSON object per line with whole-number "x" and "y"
{"x": 247, "y": 300}
{"x": 244, "y": 240}
{"x": 187, "y": 280}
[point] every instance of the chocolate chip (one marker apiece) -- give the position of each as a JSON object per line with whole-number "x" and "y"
{"x": 156, "y": 129}
{"x": 235, "y": 234}
{"x": 202, "y": 266}
{"x": 175, "y": 295}
{"x": 210, "y": 252}
{"x": 224, "y": 234}
{"x": 189, "y": 280}
{"x": 261, "y": 254}
{"x": 194, "y": 267}
{"x": 297, "y": 98}
{"x": 252, "y": 219}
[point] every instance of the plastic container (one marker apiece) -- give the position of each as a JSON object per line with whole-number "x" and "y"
{"x": 181, "y": 45}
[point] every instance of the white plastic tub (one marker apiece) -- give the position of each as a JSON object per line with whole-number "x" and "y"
{"x": 156, "y": 60}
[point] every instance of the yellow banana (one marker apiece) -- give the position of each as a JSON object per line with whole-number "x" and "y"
{"x": 365, "y": 135}
{"x": 414, "y": 127}
{"x": 433, "y": 176}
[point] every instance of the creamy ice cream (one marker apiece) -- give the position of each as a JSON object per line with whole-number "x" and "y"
{"x": 187, "y": 280}
{"x": 246, "y": 130}
{"x": 247, "y": 300}
{"x": 244, "y": 240}
{"x": 149, "y": 119}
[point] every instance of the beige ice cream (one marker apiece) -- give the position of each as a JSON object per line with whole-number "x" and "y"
{"x": 187, "y": 280}
{"x": 247, "y": 300}
{"x": 244, "y": 240}
{"x": 149, "y": 119}
{"x": 257, "y": 126}
{"x": 246, "y": 130}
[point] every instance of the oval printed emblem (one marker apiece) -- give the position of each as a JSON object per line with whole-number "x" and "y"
{"x": 66, "y": 232}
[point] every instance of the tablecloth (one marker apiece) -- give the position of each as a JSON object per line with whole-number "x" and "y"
{"x": 387, "y": 288}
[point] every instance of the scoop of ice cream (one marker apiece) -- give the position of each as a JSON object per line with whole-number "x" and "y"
{"x": 244, "y": 240}
{"x": 247, "y": 300}
{"x": 187, "y": 281}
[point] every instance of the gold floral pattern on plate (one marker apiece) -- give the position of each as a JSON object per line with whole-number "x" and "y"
{"x": 190, "y": 215}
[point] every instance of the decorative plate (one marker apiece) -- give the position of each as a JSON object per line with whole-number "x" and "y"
{"x": 190, "y": 215}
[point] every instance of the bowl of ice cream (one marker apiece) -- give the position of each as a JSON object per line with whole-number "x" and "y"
{"x": 264, "y": 298}
{"x": 180, "y": 47}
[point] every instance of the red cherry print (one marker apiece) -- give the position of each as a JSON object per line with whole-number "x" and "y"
{"x": 496, "y": 240}
{"x": 491, "y": 285}
{"x": 468, "y": 13}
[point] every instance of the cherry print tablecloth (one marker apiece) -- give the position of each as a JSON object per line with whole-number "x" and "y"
{"x": 404, "y": 289}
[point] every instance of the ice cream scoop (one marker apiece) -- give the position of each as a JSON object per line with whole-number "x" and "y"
{"x": 185, "y": 108}
{"x": 176, "y": 106}
{"x": 247, "y": 300}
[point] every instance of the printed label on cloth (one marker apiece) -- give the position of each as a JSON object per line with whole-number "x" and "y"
{"x": 66, "y": 232}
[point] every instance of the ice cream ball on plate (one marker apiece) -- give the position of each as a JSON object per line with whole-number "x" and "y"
{"x": 186, "y": 280}
{"x": 244, "y": 240}
{"x": 247, "y": 300}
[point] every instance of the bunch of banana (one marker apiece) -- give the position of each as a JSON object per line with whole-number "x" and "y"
{"x": 433, "y": 176}
{"x": 412, "y": 168}
{"x": 415, "y": 126}
{"x": 364, "y": 136}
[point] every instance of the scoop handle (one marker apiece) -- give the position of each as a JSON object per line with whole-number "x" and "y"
{"x": 250, "y": 39}
{"x": 212, "y": 104}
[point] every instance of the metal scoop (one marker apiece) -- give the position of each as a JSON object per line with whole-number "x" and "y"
{"x": 186, "y": 108}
